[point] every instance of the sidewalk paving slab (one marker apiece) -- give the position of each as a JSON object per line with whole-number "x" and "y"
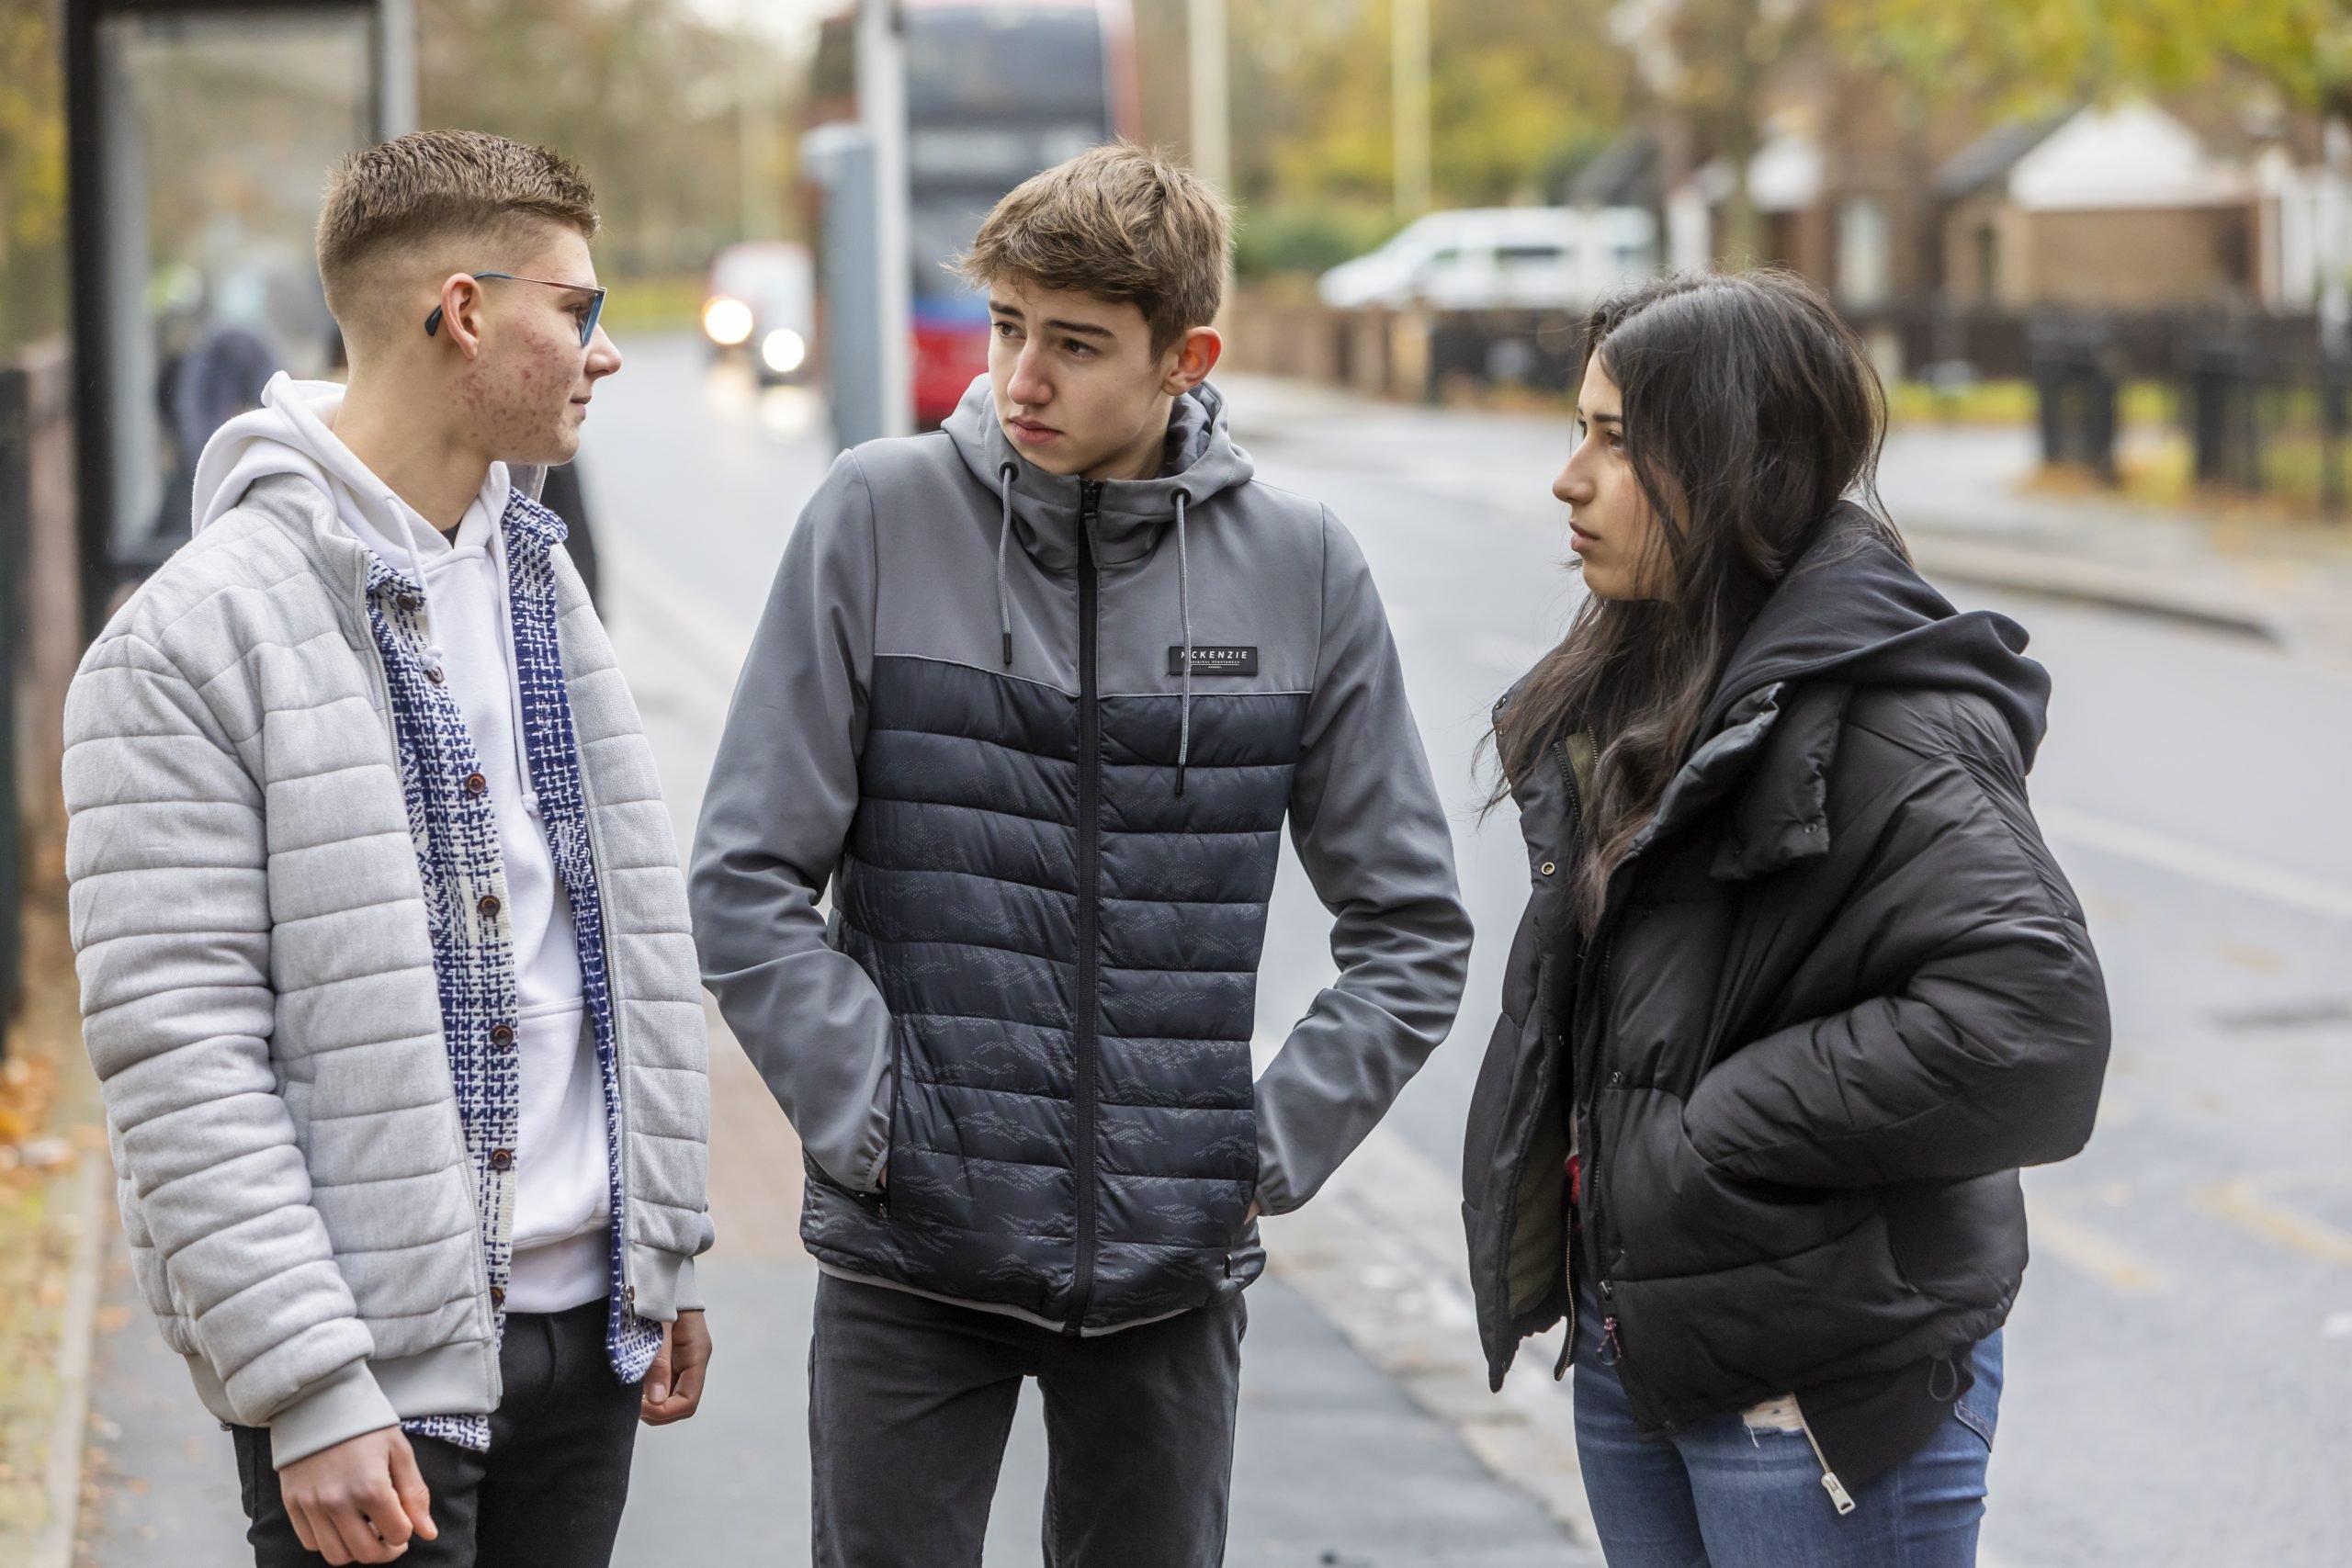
{"x": 1335, "y": 1465}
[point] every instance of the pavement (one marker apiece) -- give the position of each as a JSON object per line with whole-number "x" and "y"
{"x": 2180, "y": 1387}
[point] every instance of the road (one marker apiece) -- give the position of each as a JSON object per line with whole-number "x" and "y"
{"x": 2180, "y": 1365}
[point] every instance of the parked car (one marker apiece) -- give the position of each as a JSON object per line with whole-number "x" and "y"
{"x": 1490, "y": 258}
{"x": 761, "y": 302}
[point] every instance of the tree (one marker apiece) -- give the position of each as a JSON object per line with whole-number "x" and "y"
{"x": 1513, "y": 84}
{"x": 1713, "y": 59}
{"x": 33, "y": 174}
{"x": 2024, "y": 56}
{"x": 642, "y": 94}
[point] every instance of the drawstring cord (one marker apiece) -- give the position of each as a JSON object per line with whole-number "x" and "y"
{"x": 1184, "y": 610}
{"x": 416, "y": 568}
{"x": 1004, "y": 474}
{"x": 434, "y": 664}
{"x": 505, "y": 579}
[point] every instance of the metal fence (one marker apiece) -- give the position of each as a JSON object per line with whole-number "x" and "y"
{"x": 2261, "y": 409}
{"x": 40, "y": 636}
{"x": 15, "y": 487}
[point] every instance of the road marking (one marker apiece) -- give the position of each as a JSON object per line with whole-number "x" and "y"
{"x": 1379, "y": 1254}
{"x": 2077, "y": 1244}
{"x": 2246, "y": 1202}
{"x": 699, "y": 629}
{"x": 2217, "y": 868}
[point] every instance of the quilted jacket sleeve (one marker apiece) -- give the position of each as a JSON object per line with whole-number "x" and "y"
{"x": 1985, "y": 1043}
{"x": 167, "y": 855}
{"x": 782, "y": 793}
{"x": 1374, "y": 840}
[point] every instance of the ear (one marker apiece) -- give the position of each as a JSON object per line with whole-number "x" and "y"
{"x": 1189, "y": 360}
{"x": 461, "y": 313}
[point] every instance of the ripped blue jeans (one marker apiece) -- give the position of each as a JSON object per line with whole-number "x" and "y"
{"x": 1746, "y": 1491}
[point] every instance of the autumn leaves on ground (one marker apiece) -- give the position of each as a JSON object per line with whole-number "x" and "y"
{"x": 49, "y": 1124}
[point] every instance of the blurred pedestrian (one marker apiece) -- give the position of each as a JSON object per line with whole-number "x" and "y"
{"x": 1798, "y": 986}
{"x": 1033, "y": 698}
{"x": 380, "y": 927}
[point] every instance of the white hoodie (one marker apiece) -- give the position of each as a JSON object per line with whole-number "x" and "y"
{"x": 564, "y": 1198}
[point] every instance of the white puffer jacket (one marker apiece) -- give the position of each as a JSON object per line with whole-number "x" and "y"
{"x": 258, "y": 993}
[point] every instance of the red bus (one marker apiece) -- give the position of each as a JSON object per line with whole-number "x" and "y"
{"x": 995, "y": 91}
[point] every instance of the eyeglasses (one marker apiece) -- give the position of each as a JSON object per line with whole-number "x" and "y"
{"x": 587, "y": 323}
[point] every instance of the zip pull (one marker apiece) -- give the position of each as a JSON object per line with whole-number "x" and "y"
{"x": 1839, "y": 1498}
{"x": 1612, "y": 1352}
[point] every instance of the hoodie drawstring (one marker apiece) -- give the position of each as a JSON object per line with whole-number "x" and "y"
{"x": 1004, "y": 475}
{"x": 505, "y": 582}
{"x": 433, "y": 661}
{"x": 1184, "y": 610}
{"x": 399, "y": 514}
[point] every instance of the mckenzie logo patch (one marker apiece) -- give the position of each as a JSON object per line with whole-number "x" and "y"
{"x": 1209, "y": 660}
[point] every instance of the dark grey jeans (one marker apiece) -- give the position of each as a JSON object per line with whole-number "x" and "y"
{"x": 548, "y": 1495}
{"x": 910, "y": 1400}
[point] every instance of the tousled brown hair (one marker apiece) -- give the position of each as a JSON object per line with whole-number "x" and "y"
{"x": 434, "y": 184}
{"x": 1119, "y": 223}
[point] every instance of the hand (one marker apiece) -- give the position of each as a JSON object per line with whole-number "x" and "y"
{"x": 359, "y": 1501}
{"x": 674, "y": 1385}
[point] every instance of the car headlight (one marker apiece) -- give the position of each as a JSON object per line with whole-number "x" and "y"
{"x": 783, "y": 351}
{"x": 726, "y": 322}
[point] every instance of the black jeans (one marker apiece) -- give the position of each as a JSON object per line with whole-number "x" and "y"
{"x": 549, "y": 1492}
{"x": 910, "y": 1400}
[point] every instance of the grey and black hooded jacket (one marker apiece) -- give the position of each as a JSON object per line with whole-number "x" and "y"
{"x": 1037, "y": 737}
{"x": 1838, "y": 993}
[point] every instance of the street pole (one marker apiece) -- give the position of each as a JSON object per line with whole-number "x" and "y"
{"x": 1210, "y": 116}
{"x": 1409, "y": 71}
{"x": 2334, "y": 257}
{"x": 882, "y": 108}
{"x": 395, "y": 82}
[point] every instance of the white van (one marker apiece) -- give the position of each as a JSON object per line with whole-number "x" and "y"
{"x": 1485, "y": 258}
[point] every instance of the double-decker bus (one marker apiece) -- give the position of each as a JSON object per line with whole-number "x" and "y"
{"x": 995, "y": 91}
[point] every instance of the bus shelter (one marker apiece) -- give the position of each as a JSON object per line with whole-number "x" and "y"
{"x": 199, "y": 137}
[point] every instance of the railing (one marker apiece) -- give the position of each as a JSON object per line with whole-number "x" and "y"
{"x": 40, "y": 636}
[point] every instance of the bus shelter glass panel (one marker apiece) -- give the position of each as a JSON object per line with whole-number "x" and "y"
{"x": 219, "y": 132}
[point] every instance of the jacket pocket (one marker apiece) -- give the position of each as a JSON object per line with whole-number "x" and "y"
{"x": 1671, "y": 1212}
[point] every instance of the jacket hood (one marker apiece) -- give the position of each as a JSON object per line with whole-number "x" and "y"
{"x": 1853, "y": 610}
{"x": 1201, "y": 461}
{"x": 291, "y": 433}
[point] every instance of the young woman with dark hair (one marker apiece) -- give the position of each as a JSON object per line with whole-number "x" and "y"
{"x": 1798, "y": 988}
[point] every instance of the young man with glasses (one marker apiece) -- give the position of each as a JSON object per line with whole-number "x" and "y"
{"x": 383, "y": 942}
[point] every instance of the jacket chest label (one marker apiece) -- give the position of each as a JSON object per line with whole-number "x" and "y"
{"x": 1215, "y": 659}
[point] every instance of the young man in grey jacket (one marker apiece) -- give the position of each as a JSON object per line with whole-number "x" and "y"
{"x": 1033, "y": 698}
{"x": 385, "y": 959}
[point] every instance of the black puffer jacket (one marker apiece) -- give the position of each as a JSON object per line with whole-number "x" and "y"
{"x": 1840, "y": 992}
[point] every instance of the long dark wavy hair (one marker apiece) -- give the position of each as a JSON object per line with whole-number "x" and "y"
{"x": 1751, "y": 409}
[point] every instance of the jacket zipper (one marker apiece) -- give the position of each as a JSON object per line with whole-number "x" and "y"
{"x": 1612, "y": 1348}
{"x": 1567, "y": 1037}
{"x": 1838, "y": 1495}
{"x": 1090, "y": 808}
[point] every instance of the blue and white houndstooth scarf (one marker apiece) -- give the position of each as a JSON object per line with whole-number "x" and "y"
{"x": 455, "y": 829}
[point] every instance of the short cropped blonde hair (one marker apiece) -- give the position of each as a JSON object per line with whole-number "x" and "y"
{"x": 441, "y": 184}
{"x": 1119, "y": 223}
